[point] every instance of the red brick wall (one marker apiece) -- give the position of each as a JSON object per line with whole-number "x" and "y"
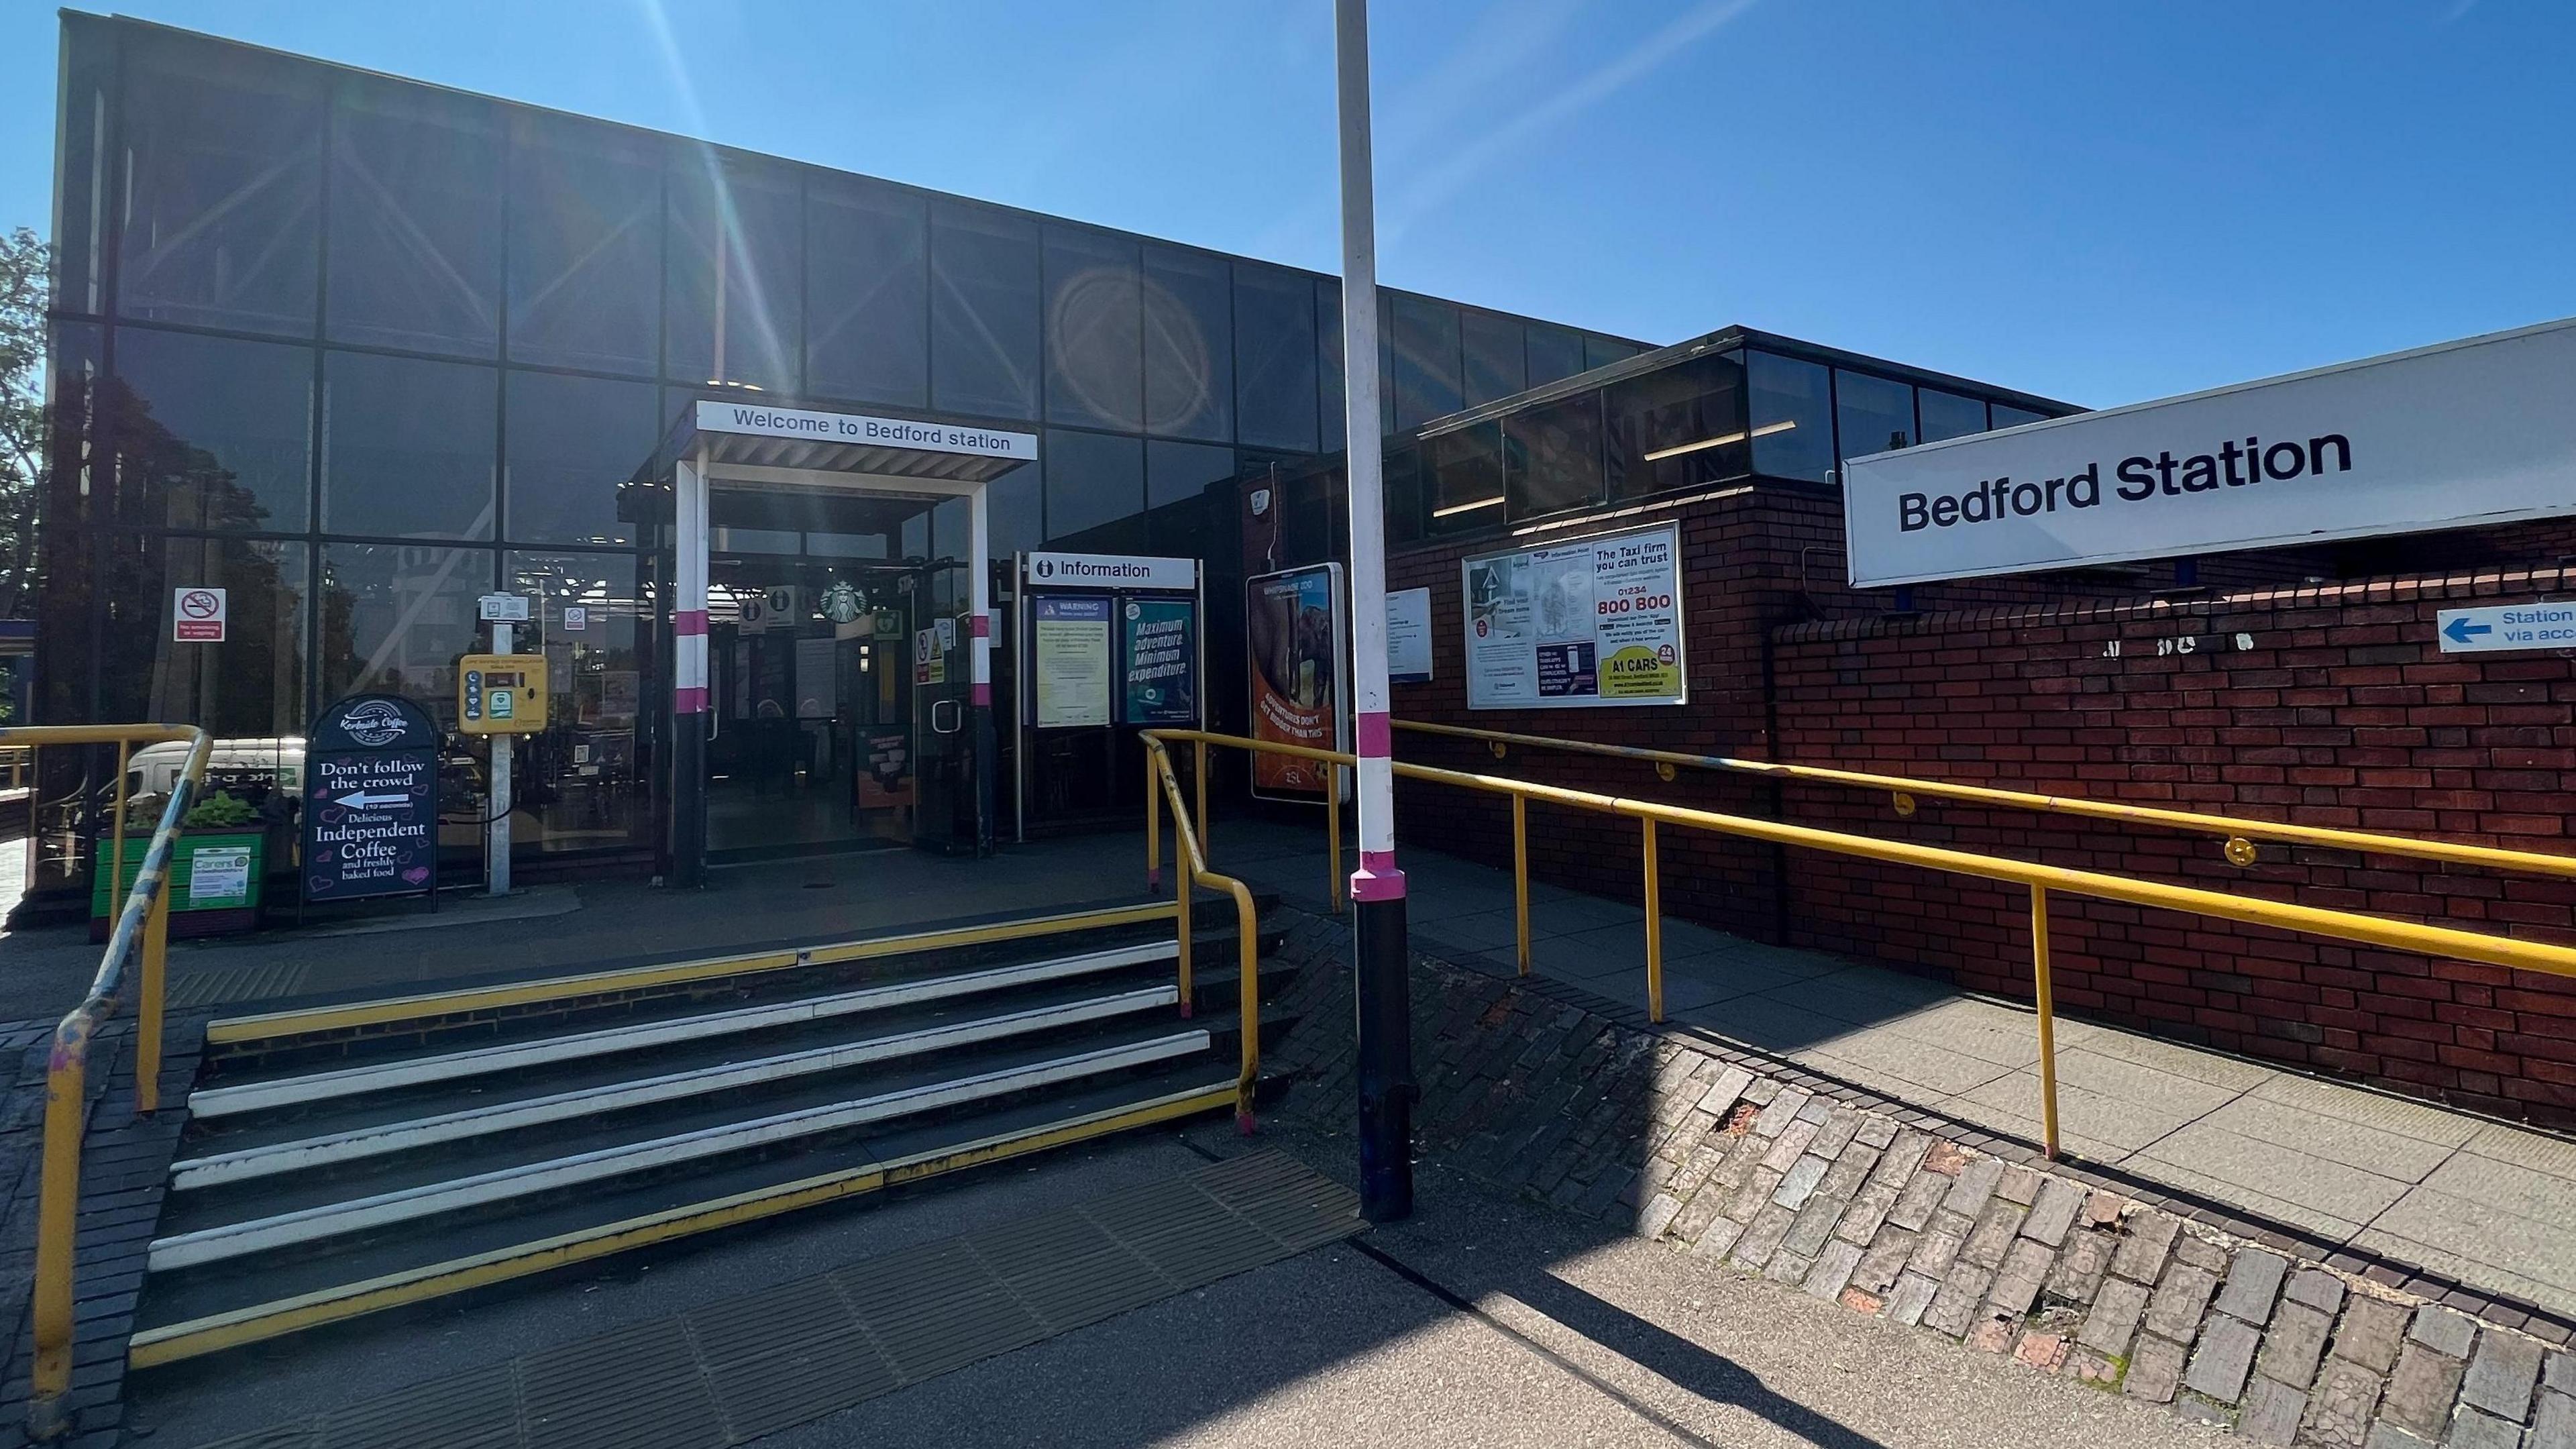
{"x": 2340, "y": 712}
{"x": 2327, "y": 705}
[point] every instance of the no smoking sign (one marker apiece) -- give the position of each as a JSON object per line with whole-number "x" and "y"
{"x": 197, "y": 616}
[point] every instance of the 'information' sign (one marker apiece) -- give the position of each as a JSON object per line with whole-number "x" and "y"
{"x": 2467, "y": 433}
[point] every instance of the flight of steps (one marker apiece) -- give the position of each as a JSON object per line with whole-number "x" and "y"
{"x": 329, "y": 1170}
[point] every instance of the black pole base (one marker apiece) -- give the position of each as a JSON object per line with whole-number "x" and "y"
{"x": 1386, "y": 1087}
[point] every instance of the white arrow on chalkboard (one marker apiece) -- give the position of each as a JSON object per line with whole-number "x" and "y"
{"x": 362, "y": 800}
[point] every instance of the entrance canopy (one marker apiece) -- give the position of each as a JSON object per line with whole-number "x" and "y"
{"x": 759, "y": 446}
{"x": 731, "y": 437}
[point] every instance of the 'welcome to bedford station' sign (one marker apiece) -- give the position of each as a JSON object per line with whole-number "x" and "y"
{"x": 866, "y": 431}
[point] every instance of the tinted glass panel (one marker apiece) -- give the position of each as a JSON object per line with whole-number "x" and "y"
{"x": 1274, "y": 350}
{"x": 1872, "y": 414}
{"x": 1554, "y": 352}
{"x": 415, "y": 220}
{"x": 396, "y": 616}
{"x": 1189, "y": 346}
{"x": 1552, "y": 455}
{"x": 1014, "y": 521}
{"x": 74, "y": 366}
{"x": 213, "y": 433}
{"x": 585, "y": 246}
{"x": 1466, "y": 470}
{"x": 951, "y": 527}
{"x": 1176, "y": 472}
{"x": 1333, "y": 419}
{"x": 2013, "y": 417}
{"x": 579, "y": 785}
{"x": 867, "y": 302}
{"x": 1423, "y": 363}
{"x": 573, "y": 442}
{"x": 1091, "y": 479}
{"x": 250, "y": 686}
{"x": 1678, "y": 426}
{"x": 1095, "y": 331}
{"x": 1948, "y": 415}
{"x": 1492, "y": 349}
{"x": 407, "y": 446}
{"x": 1316, "y": 525}
{"x": 1793, "y": 434}
{"x": 1401, "y": 474}
{"x": 85, "y": 176}
{"x": 737, "y": 248}
{"x": 983, "y": 312}
{"x": 223, "y": 179}
{"x": 1603, "y": 351}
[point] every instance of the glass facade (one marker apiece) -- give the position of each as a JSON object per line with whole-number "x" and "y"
{"x": 1726, "y": 408}
{"x": 360, "y": 350}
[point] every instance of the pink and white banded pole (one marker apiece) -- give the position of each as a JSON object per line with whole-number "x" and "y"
{"x": 1379, "y": 957}
{"x": 689, "y": 675}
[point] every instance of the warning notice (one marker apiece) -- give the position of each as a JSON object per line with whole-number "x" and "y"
{"x": 197, "y": 616}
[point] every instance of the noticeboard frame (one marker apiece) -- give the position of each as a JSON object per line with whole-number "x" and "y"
{"x": 1681, "y": 624}
{"x": 1339, "y": 629}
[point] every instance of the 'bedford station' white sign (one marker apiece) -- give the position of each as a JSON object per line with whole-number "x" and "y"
{"x": 760, "y": 421}
{"x": 2474, "y": 432}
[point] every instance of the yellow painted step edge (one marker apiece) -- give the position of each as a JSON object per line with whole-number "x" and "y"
{"x": 295, "y": 1022}
{"x": 217, "y": 1332}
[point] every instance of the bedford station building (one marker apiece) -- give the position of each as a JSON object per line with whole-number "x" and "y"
{"x": 857, "y": 515}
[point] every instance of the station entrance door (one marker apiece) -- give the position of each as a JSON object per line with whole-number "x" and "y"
{"x": 836, "y": 700}
{"x": 832, "y": 627}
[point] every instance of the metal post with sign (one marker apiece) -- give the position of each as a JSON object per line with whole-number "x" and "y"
{"x": 501, "y": 611}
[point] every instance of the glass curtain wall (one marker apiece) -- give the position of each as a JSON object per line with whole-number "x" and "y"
{"x": 1703, "y": 420}
{"x": 366, "y": 349}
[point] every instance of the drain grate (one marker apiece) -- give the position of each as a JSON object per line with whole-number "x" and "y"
{"x": 759, "y": 1362}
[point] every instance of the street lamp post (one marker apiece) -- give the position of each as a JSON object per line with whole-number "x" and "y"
{"x": 1384, "y": 1021}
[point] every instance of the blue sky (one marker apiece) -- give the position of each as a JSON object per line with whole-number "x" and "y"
{"x": 2096, "y": 202}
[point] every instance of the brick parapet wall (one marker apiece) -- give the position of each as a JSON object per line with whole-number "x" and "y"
{"x": 2341, "y": 712}
{"x": 2323, "y": 704}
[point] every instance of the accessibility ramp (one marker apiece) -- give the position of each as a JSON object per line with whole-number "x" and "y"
{"x": 349, "y": 1158}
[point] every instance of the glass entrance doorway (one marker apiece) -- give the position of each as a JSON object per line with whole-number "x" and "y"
{"x": 831, "y": 634}
{"x": 811, "y": 684}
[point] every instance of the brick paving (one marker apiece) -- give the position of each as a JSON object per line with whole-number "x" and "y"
{"x": 124, "y": 1171}
{"x": 1660, "y": 1137}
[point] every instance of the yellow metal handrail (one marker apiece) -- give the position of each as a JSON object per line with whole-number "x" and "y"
{"x": 1189, "y": 867}
{"x": 141, "y": 937}
{"x": 2441, "y": 941}
{"x": 2240, "y": 833}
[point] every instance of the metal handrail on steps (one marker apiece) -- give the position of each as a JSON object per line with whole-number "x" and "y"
{"x": 1189, "y": 868}
{"x": 2446, "y": 942}
{"x": 140, "y": 941}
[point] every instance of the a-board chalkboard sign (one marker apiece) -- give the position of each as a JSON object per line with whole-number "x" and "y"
{"x": 370, "y": 800}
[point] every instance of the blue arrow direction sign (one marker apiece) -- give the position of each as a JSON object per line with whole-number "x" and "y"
{"x": 2496, "y": 628}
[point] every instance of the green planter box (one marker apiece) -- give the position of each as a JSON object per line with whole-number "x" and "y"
{"x": 228, "y": 875}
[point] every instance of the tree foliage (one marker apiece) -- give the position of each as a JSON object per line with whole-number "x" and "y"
{"x": 22, "y": 411}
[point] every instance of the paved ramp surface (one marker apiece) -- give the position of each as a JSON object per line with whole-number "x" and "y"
{"x": 2481, "y": 1201}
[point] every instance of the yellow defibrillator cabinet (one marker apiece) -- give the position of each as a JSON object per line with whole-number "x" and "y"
{"x": 501, "y": 694}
